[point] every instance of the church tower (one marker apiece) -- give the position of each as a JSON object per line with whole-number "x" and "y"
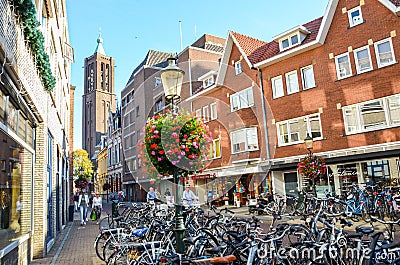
{"x": 98, "y": 97}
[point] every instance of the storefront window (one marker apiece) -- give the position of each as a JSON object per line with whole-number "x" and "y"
{"x": 376, "y": 171}
{"x": 347, "y": 176}
{"x": 15, "y": 190}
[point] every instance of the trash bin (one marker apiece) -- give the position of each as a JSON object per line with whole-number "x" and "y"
{"x": 114, "y": 208}
{"x": 71, "y": 210}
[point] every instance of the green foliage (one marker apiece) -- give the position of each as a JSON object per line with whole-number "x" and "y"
{"x": 26, "y": 12}
{"x": 174, "y": 141}
{"x": 82, "y": 166}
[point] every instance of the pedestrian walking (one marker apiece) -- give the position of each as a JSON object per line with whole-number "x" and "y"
{"x": 89, "y": 209}
{"x": 83, "y": 202}
{"x": 76, "y": 199}
{"x": 158, "y": 195}
{"x": 189, "y": 196}
{"x": 97, "y": 206}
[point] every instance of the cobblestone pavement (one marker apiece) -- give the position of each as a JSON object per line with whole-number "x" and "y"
{"x": 74, "y": 245}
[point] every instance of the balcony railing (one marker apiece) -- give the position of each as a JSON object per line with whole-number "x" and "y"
{"x": 19, "y": 57}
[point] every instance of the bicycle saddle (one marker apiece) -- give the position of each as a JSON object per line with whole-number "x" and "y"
{"x": 140, "y": 232}
{"x": 215, "y": 250}
{"x": 365, "y": 230}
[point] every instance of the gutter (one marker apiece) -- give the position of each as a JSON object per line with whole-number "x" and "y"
{"x": 264, "y": 114}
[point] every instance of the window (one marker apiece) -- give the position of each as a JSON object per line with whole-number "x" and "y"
{"x": 355, "y": 16}
{"x": 157, "y": 82}
{"x": 206, "y": 114}
{"x": 277, "y": 87}
{"x": 159, "y": 105}
{"x": 294, "y": 131}
{"x": 244, "y": 140}
{"x": 213, "y": 111}
{"x": 126, "y": 121}
{"x": 384, "y": 52}
{"x": 198, "y": 113}
{"x": 292, "y": 83}
{"x": 307, "y": 77}
{"x": 343, "y": 68}
{"x": 372, "y": 115}
{"x": 238, "y": 67}
{"x": 137, "y": 111}
{"x": 290, "y": 41}
{"x": 215, "y": 149}
{"x": 132, "y": 116}
{"x": 362, "y": 58}
{"x": 208, "y": 82}
{"x": 242, "y": 99}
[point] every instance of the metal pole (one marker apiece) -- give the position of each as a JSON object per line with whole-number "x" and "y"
{"x": 179, "y": 224}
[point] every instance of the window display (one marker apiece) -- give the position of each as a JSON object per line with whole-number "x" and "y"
{"x": 15, "y": 190}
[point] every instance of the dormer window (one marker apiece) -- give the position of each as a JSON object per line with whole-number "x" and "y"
{"x": 208, "y": 82}
{"x": 290, "y": 41}
{"x": 208, "y": 78}
{"x": 355, "y": 16}
{"x": 292, "y": 37}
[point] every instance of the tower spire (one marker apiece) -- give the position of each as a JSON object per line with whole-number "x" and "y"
{"x": 99, "y": 47}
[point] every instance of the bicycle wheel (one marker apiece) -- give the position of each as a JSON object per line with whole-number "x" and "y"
{"x": 99, "y": 244}
{"x": 147, "y": 259}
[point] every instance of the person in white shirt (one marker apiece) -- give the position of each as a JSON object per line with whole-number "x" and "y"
{"x": 97, "y": 206}
{"x": 189, "y": 196}
{"x": 83, "y": 203}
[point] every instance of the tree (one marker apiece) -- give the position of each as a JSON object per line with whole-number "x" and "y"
{"x": 82, "y": 168}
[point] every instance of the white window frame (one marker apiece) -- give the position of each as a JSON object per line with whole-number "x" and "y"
{"x": 213, "y": 111}
{"x": 303, "y": 80}
{"x": 353, "y": 23}
{"x": 242, "y": 99}
{"x": 214, "y": 149}
{"x": 288, "y": 87}
{"x": 157, "y": 82}
{"x": 359, "y": 71}
{"x": 206, "y": 113}
{"x": 247, "y": 130}
{"x": 209, "y": 81}
{"x": 274, "y": 91}
{"x": 308, "y": 129}
{"x": 289, "y": 39}
{"x": 377, "y": 53}
{"x": 238, "y": 67}
{"x": 198, "y": 113}
{"x": 359, "y": 128}
{"x": 337, "y": 66}
{"x": 156, "y": 109}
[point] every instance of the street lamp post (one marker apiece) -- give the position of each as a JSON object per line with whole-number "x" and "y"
{"x": 172, "y": 77}
{"x": 308, "y": 141}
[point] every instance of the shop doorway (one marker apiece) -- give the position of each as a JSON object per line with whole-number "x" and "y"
{"x": 291, "y": 185}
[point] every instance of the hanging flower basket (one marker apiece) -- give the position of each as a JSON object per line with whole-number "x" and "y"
{"x": 312, "y": 166}
{"x": 81, "y": 184}
{"x": 173, "y": 141}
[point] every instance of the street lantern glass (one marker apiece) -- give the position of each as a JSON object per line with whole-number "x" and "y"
{"x": 309, "y": 142}
{"x": 172, "y": 78}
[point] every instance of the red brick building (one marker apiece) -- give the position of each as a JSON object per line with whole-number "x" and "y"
{"x": 335, "y": 78}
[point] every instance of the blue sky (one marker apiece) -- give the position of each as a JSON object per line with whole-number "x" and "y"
{"x": 132, "y": 27}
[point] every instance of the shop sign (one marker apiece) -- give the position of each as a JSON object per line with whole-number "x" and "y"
{"x": 205, "y": 176}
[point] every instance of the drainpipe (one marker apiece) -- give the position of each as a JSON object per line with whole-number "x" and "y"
{"x": 264, "y": 113}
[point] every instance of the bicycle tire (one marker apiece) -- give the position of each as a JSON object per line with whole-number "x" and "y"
{"x": 99, "y": 244}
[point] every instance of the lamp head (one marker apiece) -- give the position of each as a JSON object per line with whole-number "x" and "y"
{"x": 172, "y": 78}
{"x": 308, "y": 141}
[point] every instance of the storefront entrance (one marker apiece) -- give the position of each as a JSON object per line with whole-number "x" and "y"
{"x": 291, "y": 186}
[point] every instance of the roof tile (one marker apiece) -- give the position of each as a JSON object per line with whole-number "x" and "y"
{"x": 257, "y": 50}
